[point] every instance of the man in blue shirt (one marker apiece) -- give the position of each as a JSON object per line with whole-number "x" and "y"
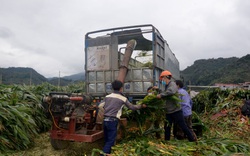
{"x": 186, "y": 106}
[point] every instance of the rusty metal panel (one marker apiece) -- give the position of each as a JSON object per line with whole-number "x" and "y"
{"x": 90, "y": 136}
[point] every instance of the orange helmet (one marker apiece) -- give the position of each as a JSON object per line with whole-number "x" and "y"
{"x": 165, "y": 73}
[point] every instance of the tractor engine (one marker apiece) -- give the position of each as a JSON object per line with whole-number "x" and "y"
{"x": 70, "y": 111}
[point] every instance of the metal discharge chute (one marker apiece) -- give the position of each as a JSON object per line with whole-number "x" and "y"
{"x": 124, "y": 64}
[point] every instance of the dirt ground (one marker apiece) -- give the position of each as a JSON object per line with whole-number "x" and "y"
{"x": 42, "y": 147}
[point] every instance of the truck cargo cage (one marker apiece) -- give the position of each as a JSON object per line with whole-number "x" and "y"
{"x": 104, "y": 51}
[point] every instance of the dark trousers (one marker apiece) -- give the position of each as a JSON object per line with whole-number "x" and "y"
{"x": 110, "y": 132}
{"x": 178, "y": 133}
{"x": 177, "y": 117}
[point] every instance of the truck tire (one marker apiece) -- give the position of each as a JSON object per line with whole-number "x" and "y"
{"x": 59, "y": 144}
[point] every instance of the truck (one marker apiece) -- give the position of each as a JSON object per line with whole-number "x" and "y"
{"x": 136, "y": 55}
{"x": 104, "y": 54}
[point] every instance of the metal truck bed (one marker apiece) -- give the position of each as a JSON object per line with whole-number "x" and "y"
{"x": 104, "y": 51}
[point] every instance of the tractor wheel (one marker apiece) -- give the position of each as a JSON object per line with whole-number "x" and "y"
{"x": 59, "y": 144}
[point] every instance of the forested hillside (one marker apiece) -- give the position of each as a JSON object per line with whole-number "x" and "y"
{"x": 221, "y": 70}
{"x": 20, "y": 75}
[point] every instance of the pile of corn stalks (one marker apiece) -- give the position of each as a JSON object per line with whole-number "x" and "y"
{"x": 220, "y": 111}
{"x": 177, "y": 148}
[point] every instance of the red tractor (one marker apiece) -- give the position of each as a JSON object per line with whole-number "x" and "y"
{"x": 73, "y": 119}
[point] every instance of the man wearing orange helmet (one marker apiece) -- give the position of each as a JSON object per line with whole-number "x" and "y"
{"x": 173, "y": 110}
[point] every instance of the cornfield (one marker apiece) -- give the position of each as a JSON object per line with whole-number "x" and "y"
{"x": 22, "y": 117}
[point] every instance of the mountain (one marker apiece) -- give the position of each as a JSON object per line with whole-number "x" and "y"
{"x": 76, "y": 77}
{"x": 237, "y": 72}
{"x": 63, "y": 81}
{"x": 221, "y": 70}
{"x": 60, "y": 81}
{"x": 19, "y": 75}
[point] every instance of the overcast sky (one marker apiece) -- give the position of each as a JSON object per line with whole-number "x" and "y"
{"x": 48, "y": 35}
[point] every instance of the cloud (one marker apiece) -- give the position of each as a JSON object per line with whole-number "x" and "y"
{"x": 5, "y": 32}
{"x": 49, "y": 35}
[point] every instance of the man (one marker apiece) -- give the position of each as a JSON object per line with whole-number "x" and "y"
{"x": 114, "y": 103}
{"x": 173, "y": 110}
{"x": 186, "y": 105}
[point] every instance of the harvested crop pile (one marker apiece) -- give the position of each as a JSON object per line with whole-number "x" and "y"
{"x": 220, "y": 111}
{"x": 148, "y": 147}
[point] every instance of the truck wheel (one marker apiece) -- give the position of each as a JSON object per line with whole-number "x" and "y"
{"x": 59, "y": 144}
